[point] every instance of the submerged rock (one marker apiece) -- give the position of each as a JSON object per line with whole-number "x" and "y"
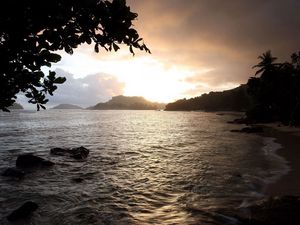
{"x": 29, "y": 160}
{"x": 76, "y": 153}
{"x": 13, "y": 172}
{"x": 78, "y": 180}
{"x": 240, "y": 121}
{"x": 249, "y": 130}
{"x": 23, "y": 211}
{"x": 273, "y": 211}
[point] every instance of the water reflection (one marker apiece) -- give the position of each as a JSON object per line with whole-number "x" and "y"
{"x": 144, "y": 167}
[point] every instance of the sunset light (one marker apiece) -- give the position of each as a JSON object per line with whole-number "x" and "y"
{"x": 143, "y": 112}
{"x": 142, "y": 76}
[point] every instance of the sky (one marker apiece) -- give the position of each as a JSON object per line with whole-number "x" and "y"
{"x": 197, "y": 46}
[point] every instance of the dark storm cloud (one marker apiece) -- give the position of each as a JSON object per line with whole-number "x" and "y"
{"x": 223, "y": 35}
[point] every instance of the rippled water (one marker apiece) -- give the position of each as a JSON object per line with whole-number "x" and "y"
{"x": 144, "y": 167}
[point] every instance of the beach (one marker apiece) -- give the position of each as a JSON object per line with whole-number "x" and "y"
{"x": 289, "y": 138}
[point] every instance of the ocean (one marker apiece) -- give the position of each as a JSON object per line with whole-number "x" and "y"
{"x": 144, "y": 167}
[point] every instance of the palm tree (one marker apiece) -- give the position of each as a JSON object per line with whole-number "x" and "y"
{"x": 296, "y": 60}
{"x": 267, "y": 63}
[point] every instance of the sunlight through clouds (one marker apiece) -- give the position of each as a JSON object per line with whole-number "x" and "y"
{"x": 142, "y": 75}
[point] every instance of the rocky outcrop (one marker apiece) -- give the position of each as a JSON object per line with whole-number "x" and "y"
{"x": 243, "y": 120}
{"x": 273, "y": 211}
{"x": 30, "y": 160}
{"x": 13, "y": 172}
{"x": 23, "y": 211}
{"x": 249, "y": 130}
{"x": 76, "y": 153}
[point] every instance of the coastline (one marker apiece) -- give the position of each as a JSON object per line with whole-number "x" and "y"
{"x": 289, "y": 139}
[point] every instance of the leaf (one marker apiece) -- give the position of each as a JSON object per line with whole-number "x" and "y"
{"x": 131, "y": 50}
{"x": 96, "y": 48}
{"x": 68, "y": 49}
{"x": 44, "y": 101}
{"x": 88, "y": 40}
{"x": 28, "y": 95}
{"x": 139, "y": 39}
{"x": 54, "y": 57}
{"x": 116, "y": 47}
{"x": 59, "y": 80}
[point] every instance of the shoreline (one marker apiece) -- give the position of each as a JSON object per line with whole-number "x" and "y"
{"x": 289, "y": 139}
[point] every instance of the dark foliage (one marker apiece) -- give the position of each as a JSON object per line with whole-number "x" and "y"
{"x": 236, "y": 99}
{"x": 32, "y": 31}
{"x": 276, "y": 93}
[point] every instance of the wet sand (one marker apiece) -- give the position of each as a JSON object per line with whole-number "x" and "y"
{"x": 289, "y": 138}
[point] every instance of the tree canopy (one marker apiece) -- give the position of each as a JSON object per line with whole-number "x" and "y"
{"x": 276, "y": 93}
{"x": 32, "y": 31}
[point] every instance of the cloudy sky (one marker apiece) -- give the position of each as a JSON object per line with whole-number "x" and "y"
{"x": 197, "y": 46}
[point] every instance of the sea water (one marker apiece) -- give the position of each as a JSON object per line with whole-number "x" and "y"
{"x": 144, "y": 167}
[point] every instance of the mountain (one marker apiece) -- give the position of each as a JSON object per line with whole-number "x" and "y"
{"x": 128, "y": 103}
{"x": 235, "y": 99}
{"x": 66, "y": 106}
{"x": 16, "y": 106}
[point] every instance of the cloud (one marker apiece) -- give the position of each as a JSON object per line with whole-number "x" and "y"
{"x": 221, "y": 38}
{"x": 87, "y": 91}
{"x": 224, "y": 36}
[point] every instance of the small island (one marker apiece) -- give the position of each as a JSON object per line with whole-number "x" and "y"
{"x": 16, "y": 106}
{"x": 128, "y": 103}
{"x": 67, "y": 106}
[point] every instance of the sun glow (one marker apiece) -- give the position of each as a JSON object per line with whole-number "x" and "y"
{"x": 142, "y": 75}
{"x": 149, "y": 78}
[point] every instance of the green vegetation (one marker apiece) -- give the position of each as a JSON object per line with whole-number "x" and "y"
{"x": 276, "y": 92}
{"x": 273, "y": 94}
{"x": 128, "y": 103}
{"x": 236, "y": 99}
{"x": 16, "y": 106}
{"x": 32, "y": 31}
{"x": 66, "y": 106}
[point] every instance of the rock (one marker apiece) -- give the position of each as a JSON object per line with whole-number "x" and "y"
{"x": 78, "y": 180}
{"x": 253, "y": 129}
{"x": 23, "y": 211}
{"x": 249, "y": 130}
{"x": 76, "y": 153}
{"x": 240, "y": 121}
{"x": 29, "y": 160}
{"x": 13, "y": 172}
{"x": 273, "y": 211}
{"x": 80, "y": 152}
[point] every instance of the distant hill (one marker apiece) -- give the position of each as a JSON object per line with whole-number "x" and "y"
{"x": 128, "y": 103}
{"x": 16, "y": 106}
{"x": 235, "y": 99}
{"x": 66, "y": 106}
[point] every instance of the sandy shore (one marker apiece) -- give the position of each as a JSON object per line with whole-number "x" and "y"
{"x": 289, "y": 138}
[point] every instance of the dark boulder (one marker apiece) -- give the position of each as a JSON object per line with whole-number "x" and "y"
{"x": 78, "y": 180}
{"x": 29, "y": 160}
{"x": 13, "y": 172}
{"x": 76, "y": 153}
{"x": 23, "y": 211}
{"x": 240, "y": 121}
{"x": 249, "y": 130}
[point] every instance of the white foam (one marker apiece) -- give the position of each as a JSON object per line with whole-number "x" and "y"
{"x": 279, "y": 164}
